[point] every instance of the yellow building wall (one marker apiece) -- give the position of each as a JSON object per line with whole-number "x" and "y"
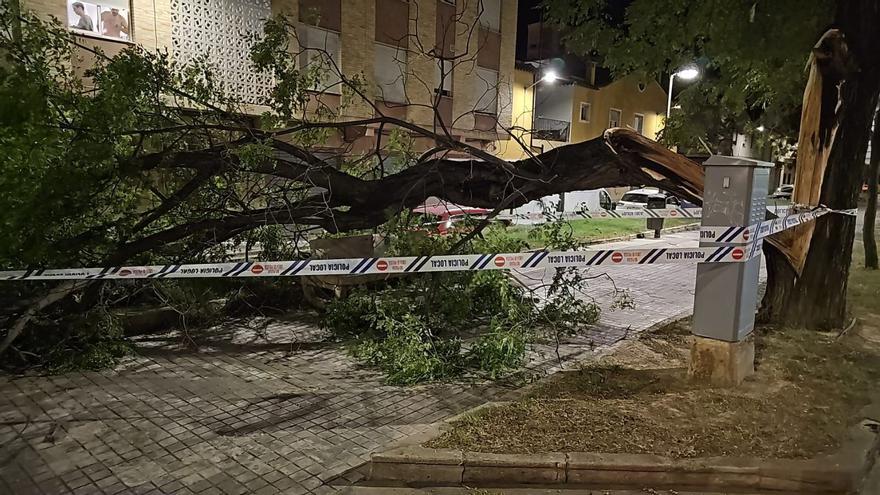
{"x": 521, "y": 105}
{"x": 623, "y": 95}
{"x": 151, "y": 27}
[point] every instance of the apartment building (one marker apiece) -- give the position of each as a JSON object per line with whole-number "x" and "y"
{"x": 455, "y": 55}
{"x": 548, "y": 114}
{"x": 577, "y": 102}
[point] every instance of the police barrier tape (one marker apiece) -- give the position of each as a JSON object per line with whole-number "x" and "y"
{"x": 402, "y": 264}
{"x": 608, "y": 214}
{"x": 744, "y": 235}
{"x": 734, "y": 250}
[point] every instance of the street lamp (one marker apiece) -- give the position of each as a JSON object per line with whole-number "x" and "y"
{"x": 687, "y": 74}
{"x": 549, "y": 77}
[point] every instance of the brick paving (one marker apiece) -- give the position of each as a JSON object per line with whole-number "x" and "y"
{"x": 264, "y": 405}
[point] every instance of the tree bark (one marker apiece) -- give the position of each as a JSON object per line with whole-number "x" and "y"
{"x": 619, "y": 158}
{"x": 816, "y": 298}
{"x": 871, "y": 179}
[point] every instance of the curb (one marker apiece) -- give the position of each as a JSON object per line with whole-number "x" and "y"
{"x": 842, "y": 472}
{"x": 671, "y": 230}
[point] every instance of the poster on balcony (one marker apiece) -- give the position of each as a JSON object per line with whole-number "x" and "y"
{"x": 83, "y": 16}
{"x": 107, "y": 18}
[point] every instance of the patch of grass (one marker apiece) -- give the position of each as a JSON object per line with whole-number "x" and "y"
{"x": 863, "y": 287}
{"x": 808, "y": 390}
{"x": 593, "y": 230}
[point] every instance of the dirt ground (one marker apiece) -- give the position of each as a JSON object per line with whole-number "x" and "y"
{"x": 808, "y": 389}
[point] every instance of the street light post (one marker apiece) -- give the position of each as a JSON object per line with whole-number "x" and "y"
{"x": 548, "y": 77}
{"x": 686, "y": 74}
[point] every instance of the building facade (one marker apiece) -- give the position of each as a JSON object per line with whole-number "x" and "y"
{"x": 413, "y": 55}
{"x": 551, "y": 114}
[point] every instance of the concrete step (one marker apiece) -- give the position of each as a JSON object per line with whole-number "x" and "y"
{"x": 382, "y": 490}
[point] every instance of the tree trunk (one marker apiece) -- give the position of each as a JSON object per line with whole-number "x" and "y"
{"x": 871, "y": 178}
{"x": 817, "y": 297}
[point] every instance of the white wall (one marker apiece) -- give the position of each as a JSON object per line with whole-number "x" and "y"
{"x": 743, "y": 147}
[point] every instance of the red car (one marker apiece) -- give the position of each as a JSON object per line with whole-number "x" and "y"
{"x": 440, "y": 218}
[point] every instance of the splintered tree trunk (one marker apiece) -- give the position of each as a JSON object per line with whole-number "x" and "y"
{"x": 817, "y": 297}
{"x": 871, "y": 178}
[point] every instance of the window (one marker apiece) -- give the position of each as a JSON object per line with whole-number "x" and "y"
{"x": 105, "y": 18}
{"x": 605, "y": 200}
{"x": 444, "y": 76}
{"x": 320, "y": 51}
{"x": 486, "y": 91}
{"x": 325, "y": 14}
{"x": 584, "y": 115}
{"x": 635, "y": 198}
{"x": 490, "y": 14}
{"x": 614, "y": 118}
{"x": 390, "y": 73}
{"x": 392, "y": 22}
{"x": 639, "y": 123}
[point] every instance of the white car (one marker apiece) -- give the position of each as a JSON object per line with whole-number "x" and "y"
{"x": 784, "y": 191}
{"x": 638, "y": 199}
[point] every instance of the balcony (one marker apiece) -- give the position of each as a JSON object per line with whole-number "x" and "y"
{"x": 551, "y": 129}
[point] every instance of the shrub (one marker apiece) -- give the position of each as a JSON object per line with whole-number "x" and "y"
{"x": 418, "y": 328}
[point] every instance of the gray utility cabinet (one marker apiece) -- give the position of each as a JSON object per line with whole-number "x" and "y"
{"x": 726, "y": 297}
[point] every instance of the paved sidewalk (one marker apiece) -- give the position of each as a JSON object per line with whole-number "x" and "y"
{"x": 264, "y": 406}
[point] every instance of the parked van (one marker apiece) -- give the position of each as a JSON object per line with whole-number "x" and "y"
{"x": 591, "y": 200}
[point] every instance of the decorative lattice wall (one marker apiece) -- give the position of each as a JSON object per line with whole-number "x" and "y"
{"x": 219, "y": 29}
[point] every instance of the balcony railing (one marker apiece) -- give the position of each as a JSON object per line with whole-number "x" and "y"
{"x": 551, "y": 129}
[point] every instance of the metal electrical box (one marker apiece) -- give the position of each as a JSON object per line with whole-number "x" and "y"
{"x": 735, "y": 193}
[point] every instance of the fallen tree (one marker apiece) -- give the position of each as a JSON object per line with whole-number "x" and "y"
{"x": 179, "y": 170}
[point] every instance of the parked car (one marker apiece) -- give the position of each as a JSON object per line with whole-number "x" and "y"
{"x": 442, "y": 218}
{"x": 783, "y": 192}
{"x": 638, "y": 198}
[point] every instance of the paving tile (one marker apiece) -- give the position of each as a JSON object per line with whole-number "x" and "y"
{"x": 172, "y": 420}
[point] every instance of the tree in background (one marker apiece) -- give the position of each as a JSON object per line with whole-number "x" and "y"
{"x": 754, "y": 53}
{"x": 751, "y": 55}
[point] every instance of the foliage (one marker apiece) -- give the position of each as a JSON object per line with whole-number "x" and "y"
{"x": 416, "y": 328}
{"x": 142, "y": 159}
{"x": 411, "y": 327}
{"x": 751, "y": 54}
{"x": 74, "y": 188}
{"x": 92, "y": 341}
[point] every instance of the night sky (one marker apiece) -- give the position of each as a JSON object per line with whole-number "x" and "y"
{"x": 530, "y": 11}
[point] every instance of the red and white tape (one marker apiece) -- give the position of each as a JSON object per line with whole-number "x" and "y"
{"x": 401, "y": 264}
{"x": 745, "y": 235}
{"x": 740, "y": 244}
